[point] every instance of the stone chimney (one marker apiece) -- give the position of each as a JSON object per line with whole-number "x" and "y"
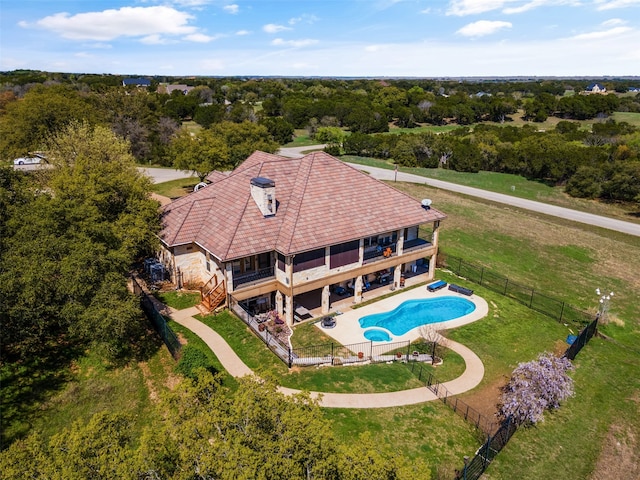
{"x": 263, "y": 192}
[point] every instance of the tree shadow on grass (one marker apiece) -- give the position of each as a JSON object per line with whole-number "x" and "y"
{"x": 29, "y": 381}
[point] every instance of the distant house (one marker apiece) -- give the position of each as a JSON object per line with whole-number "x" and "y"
{"x": 136, "y": 82}
{"x": 275, "y": 228}
{"x": 634, "y": 89}
{"x": 595, "y": 88}
{"x": 169, "y": 89}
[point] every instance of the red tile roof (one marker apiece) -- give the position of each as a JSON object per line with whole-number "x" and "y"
{"x": 320, "y": 201}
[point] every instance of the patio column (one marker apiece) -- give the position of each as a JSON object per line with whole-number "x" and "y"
{"x": 326, "y": 296}
{"x": 288, "y": 314}
{"x": 358, "y": 290}
{"x": 279, "y": 308}
{"x": 400, "y": 242}
{"x": 397, "y": 273}
{"x": 432, "y": 260}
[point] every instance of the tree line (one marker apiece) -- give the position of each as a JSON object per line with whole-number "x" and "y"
{"x": 602, "y": 163}
{"x": 240, "y": 115}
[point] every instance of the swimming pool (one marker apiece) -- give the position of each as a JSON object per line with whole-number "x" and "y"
{"x": 415, "y": 313}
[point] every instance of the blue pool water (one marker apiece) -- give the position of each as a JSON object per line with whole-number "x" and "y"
{"x": 376, "y": 335}
{"x": 415, "y": 313}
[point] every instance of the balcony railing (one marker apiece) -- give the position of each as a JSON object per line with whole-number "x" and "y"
{"x": 263, "y": 273}
{"x": 415, "y": 244}
{"x": 409, "y": 246}
{"x": 379, "y": 253}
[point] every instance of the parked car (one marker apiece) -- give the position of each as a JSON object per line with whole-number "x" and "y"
{"x": 27, "y": 160}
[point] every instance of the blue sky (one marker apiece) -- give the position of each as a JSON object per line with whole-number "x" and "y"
{"x": 418, "y": 38}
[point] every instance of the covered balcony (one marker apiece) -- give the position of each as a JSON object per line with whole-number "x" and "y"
{"x": 252, "y": 277}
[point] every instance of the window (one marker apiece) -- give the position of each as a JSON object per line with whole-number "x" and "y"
{"x": 345, "y": 253}
{"x": 281, "y": 262}
{"x": 236, "y": 267}
{"x": 264, "y": 260}
{"x": 248, "y": 264}
{"x": 307, "y": 260}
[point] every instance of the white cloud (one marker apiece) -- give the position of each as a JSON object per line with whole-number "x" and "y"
{"x": 243, "y": 32}
{"x": 473, "y": 7}
{"x": 612, "y": 32}
{"x": 233, "y": 9}
{"x": 154, "y": 40}
{"x": 610, "y": 5}
{"x": 125, "y": 22}
{"x": 526, "y": 7}
{"x": 613, "y": 22}
{"x": 482, "y": 28}
{"x": 273, "y": 28}
{"x": 191, "y": 3}
{"x": 309, "y": 19}
{"x": 201, "y": 38}
{"x": 293, "y": 43}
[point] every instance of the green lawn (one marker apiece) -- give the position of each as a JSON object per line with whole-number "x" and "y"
{"x": 175, "y": 188}
{"x": 179, "y": 299}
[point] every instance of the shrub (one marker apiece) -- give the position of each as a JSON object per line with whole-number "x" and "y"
{"x": 191, "y": 360}
{"x": 535, "y": 387}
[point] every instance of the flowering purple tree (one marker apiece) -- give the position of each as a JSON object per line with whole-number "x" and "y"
{"x": 536, "y": 386}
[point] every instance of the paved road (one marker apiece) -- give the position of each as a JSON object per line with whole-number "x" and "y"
{"x": 566, "y": 213}
{"x": 160, "y": 175}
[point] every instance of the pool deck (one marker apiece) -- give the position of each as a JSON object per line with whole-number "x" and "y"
{"x": 348, "y": 331}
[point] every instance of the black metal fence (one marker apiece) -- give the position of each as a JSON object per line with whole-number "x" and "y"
{"x": 272, "y": 342}
{"x": 371, "y": 352}
{"x": 582, "y": 339}
{"x": 159, "y": 322}
{"x": 552, "y": 307}
{"x": 333, "y": 353}
{"x": 473, "y": 469}
{"x": 482, "y": 423}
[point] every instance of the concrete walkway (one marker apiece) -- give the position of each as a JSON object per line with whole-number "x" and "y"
{"x": 235, "y": 366}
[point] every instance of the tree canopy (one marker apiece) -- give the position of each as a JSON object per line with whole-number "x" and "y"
{"x": 69, "y": 237}
{"x": 208, "y": 431}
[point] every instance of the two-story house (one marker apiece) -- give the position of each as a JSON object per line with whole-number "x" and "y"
{"x": 277, "y": 227}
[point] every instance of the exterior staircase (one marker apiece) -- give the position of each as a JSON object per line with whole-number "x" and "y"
{"x": 212, "y": 295}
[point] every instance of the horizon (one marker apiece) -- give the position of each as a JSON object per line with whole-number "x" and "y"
{"x": 325, "y": 39}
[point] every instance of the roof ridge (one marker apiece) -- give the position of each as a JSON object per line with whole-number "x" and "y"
{"x": 184, "y": 219}
{"x": 302, "y": 189}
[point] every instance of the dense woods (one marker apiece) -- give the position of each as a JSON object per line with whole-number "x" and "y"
{"x": 353, "y": 116}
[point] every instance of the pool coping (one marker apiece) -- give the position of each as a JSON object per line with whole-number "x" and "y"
{"x": 348, "y": 331}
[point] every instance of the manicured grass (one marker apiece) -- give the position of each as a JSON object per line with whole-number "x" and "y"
{"x": 178, "y": 299}
{"x": 301, "y": 139}
{"x": 175, "y": 188}
{"x": 356, "y": 379}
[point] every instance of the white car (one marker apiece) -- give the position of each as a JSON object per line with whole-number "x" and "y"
{"x": 27, "y": 160}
